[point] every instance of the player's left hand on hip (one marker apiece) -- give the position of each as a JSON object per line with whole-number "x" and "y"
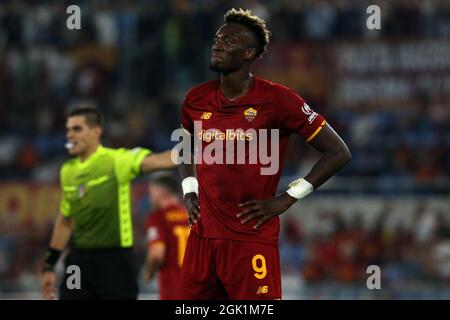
{"x": 264, "y": 209}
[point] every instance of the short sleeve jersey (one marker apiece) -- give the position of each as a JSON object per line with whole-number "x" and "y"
{"x": 96, "y": 194}
{"x": 267, "y": 109}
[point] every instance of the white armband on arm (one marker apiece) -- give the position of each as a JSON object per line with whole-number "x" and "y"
{"x": 299, "y": 188}
{"x": 189, "y": 184}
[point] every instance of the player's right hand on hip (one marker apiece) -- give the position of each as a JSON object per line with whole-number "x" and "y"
{"x": 48, "y": 285}
{"x": 192, "y": 205}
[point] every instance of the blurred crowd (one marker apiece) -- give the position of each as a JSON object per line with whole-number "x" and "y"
{"x": 21, "y": 252}
{"x": 342, "y": 246}
{"x": 135, "y": 60}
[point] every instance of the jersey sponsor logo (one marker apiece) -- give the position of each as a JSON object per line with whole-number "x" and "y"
{"x": 309, "y": 112}
{"x": 206, "y": 115}
{"x": 262, "y": 290}
{"x": 230, "y": 134}
{"x": 250, "y": 114}
{"x": 306, "y": 109}
{"x": 312, "y": 117}
{"x": 229, "y": 146}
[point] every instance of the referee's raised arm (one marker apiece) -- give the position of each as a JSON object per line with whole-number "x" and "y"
{"x": 157, "y": 161}
{"x": 96, "y": 213}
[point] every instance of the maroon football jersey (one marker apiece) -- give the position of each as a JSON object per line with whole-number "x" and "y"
{"x": 169, "y": 227}
{"x": 223, "y": 186}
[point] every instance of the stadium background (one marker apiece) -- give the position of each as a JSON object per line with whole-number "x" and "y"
{"x": 387, "y": 92}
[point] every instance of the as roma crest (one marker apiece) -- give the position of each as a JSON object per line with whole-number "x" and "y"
{"x": 250, "y": 114}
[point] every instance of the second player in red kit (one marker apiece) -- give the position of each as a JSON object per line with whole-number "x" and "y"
{"x": 167, "y": 235}
{"x": 232, "y": 252}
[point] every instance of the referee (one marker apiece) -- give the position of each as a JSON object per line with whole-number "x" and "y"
{"x": 95, "y": 211}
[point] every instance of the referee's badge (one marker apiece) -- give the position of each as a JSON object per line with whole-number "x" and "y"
{"x": 250, "y": 114}
{"x": 81, "y": 190}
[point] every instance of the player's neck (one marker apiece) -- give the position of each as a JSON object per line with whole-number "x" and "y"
{"x": 90, "y": 151}
{"x": 235, "y": 85}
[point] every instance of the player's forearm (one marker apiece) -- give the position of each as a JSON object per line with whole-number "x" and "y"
{"x": 61, "y": 233}
{"x": 154, "y": 265}
{"x": 335, "y": 155}
{"x": 189, "y": 182}
{"x": 60, "y": 238}
{"x": 327, "y": 166}
{"x": 155, "y": 260}
{"x": 187, "y": 169}
{"x": 157, "y": 161}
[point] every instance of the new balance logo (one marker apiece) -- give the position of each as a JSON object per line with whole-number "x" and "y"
{"x": 206, "y": 115}
{"x": 262, "y": 290}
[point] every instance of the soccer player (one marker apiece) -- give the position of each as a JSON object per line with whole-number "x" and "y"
{"x": 95, "y": 211}
{"x": 232, "y": 251}
{"x": 167, "y": 234}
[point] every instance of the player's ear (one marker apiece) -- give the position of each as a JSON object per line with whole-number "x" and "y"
{"x": 98, "y": 131}
{"x": 250, "y": 54}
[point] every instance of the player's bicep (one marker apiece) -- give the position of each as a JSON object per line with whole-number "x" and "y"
{"x": 326, "y": 140}
{"x": 186, "y": 119}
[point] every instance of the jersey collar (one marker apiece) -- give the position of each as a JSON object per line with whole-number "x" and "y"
{"x": 92, "y": 157}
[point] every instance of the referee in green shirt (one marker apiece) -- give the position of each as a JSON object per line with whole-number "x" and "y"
{"x": 96, "y": 212}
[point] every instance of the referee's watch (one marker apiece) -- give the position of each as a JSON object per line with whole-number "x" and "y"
{"x": 51, "y": 258}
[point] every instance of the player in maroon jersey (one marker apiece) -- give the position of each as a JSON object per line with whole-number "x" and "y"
{"x": 167, "y": 234}
{"x": 232, "y": 251}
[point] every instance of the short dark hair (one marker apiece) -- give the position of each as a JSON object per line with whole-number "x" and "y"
{"x": 93, "y": 116}
{"x": 168, "y": 181}
{"x": 255, "y": 24}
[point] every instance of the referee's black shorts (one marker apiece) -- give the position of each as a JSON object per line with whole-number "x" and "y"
{"x": 104, "y": 274}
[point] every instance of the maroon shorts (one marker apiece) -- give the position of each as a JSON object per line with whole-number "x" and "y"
{"x": 228, "y": 269}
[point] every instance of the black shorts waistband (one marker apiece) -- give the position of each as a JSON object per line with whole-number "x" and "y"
{"x": 102, "y": 249}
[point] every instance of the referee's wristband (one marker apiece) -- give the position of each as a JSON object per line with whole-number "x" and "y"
{"x": 189, "y": 184}
{"x": 51, "y": 258}
{"x": 299, "y": 188}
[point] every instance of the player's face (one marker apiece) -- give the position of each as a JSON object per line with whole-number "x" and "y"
{"x": 157, "y": 194}
{"x": 82, "y": 137}
{"x": 231, "y": 48}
